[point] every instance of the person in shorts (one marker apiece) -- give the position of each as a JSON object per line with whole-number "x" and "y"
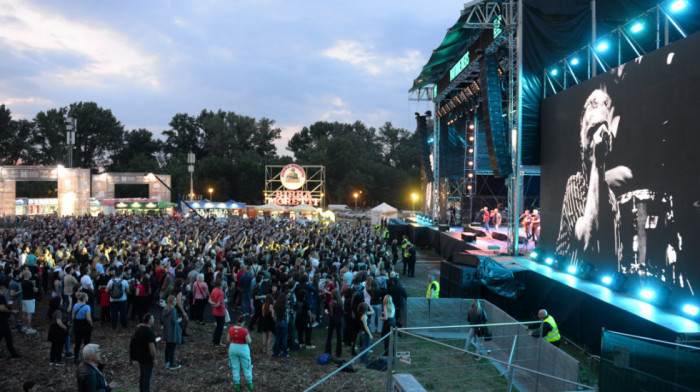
{"x": 28, "y": 301}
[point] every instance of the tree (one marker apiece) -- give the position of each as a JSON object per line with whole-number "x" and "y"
{"x": 137, "y": 153}
{"x": 227, "y": 134}
{"x": 16, "y": 136}
{"x": 98, "y": 135}
{"x": 184, "y": 136}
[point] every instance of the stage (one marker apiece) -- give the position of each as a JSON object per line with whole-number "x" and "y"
{"x": 581, "y": 308}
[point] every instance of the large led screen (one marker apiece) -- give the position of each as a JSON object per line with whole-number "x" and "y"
{"x": 620, "y": 180}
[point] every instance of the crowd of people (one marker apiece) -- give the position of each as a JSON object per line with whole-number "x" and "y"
{"x": 279, "y": 278}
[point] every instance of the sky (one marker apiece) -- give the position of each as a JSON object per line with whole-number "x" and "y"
{"x": 296, "y": 62}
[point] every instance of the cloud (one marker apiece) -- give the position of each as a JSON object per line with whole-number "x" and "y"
{"x": 365, "y": 57}
{"x": 287, "y": 132}
{"x": 9, "y": 101}
{"x": 106, "y": 56}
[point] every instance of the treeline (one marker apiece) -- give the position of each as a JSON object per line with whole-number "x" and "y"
{"x": 231, "y": 152}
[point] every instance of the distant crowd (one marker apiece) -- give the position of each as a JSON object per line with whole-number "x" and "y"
{"x": 283, "y": 278}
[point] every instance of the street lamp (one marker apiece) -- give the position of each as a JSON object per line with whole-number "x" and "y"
{"x": 355, "y": 195}
{"x": 71, "y": 127}
{"x": 190, "y": 168}
{"x": 414, "y": 197}
{"x": 211, "y": 191}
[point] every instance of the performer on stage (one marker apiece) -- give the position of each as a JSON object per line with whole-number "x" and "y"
{"x": 525, "y": 220}
{"x": 590, "y": 218}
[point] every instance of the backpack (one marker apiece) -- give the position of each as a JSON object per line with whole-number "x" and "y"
{"x": 117, "y": 290}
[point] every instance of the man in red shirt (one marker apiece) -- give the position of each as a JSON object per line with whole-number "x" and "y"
{"x": 218, "y": 310}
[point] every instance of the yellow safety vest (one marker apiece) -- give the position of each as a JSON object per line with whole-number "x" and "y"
{"x": 386, "y": 234}
{"x": 436, "y": 292}
{"x": 553, "y": 335}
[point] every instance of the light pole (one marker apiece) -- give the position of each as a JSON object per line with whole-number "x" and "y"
{"x": 355, "y": 195}
{"x": 211, "y": 191}
{"x": 414, "y": 197}
{"x": 71, "y": 127}
{"x": 190, "y": 168}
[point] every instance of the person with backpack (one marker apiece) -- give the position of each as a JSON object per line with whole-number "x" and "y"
{"x": 117, "y": 289}
{"x": 143, "y": 350}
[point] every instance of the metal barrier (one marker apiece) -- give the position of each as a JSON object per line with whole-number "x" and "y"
{"x": 511, "y": 358}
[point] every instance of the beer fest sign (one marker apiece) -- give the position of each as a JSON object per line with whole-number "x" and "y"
{"x": 293, "y": 178}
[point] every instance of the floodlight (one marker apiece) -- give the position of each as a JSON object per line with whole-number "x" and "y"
{"x": 647, "y": 294}
{"x": 678, "y": 5}
{"x": 691, "y": 310}
{"x": 431, "y": 140}
{"x": 574, "y": 61}
{"x": 549, "y": 261}
{"x": 571, "y": 269}
{"x": 637, "y": 27}
{"x": 607, "y": 280}
{"x": 554, "y": 72}
{"x": 533, "y": 255}
{"x": 602, "y": 47}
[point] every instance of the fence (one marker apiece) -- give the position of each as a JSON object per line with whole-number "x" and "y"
{"x": 634, "y": 363}
{"x": 436, "y": 356}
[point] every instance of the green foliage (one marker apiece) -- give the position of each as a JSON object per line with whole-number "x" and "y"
{"x": 231, "y": 152}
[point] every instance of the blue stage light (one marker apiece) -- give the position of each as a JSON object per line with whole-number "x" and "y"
{"x": 533, "y": 255}
{"x": 549, "y": 261}
{"x": 637, "y": 27}
{"x": 431, "y": 140}
{"x": 602, "y": 47}
{"x": 607, "y": 280}
{"x": 678, "y": 5}
{"x": 574, "y": 61}
{"x": 571, "y": 269}
{"x": 647, "y": 294}
{"x": 554, "y": 72}
{"x": 691, "y": 310}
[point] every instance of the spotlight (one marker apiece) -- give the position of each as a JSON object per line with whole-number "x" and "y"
{"x": 554, "y": 72}
{"x": 430, "y": 140}
{"x": 471, "y": 138}
{"x": 574, "y": 61}
{"x": 690, "y": 310}
{"x": 647, "y": 294}
{"x": 533, "y": 255}
{"x": 471, "y": 163}
{"x": 471, "y": 127}
{"x": 471, "y": 150}
{"x": 637, "y": 27}
{"x": 549, "y": 261}
{"x": 602, "y": 47}
{"x": 678, "y": 5}
{"x": 607, "y": 280}
{"x": 571, "y": 270}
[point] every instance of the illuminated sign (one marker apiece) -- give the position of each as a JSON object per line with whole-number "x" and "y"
{"x": 460, "y": 66}
{"x": 121, "y": 205}
{"x": 293, "y": 177}
{"x": 497, "y": 30}
{"x": 293, "y": 198}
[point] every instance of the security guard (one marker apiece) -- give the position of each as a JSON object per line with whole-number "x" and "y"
{"x": 433, "y": 288}
{"x": 549, "y": 331}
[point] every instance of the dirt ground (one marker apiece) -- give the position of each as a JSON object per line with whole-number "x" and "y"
{"x": 203, "y": 367}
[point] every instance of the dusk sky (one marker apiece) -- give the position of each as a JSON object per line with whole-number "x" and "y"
{"x": 296, "y": 62}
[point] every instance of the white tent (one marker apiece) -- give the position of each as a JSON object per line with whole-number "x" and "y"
{"x": 382, "y": 211}
{"x": 270, "y": 207}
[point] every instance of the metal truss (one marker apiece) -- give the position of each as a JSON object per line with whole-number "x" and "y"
{"x": 315, "y": 181}
{"x": 571, "y": 70}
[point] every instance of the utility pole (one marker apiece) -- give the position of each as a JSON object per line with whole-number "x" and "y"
{"x": 71, "y": 128}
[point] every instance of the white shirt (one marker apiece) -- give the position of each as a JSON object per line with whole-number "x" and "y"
{"x": 86, "y": 283}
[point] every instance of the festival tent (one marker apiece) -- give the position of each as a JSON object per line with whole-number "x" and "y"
{"x": 303, "y": 208}
{"x": 382, "y": 211}
{"x": 270, "y": 207}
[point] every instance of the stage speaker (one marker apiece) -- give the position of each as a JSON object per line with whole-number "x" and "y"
{"x": 499, "y": 236}
{"x": 444, "y": 227}
{"x": 464, "y": 283}
{"x": 466, "y": 259}
{"x": 468, "y": 237}
{"x": 492, "y": 113}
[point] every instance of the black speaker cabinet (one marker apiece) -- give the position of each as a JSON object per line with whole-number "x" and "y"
{"x": 468, "y": 237}
{"x": 466, "y": 259}
{"x": 499, "y": 236}
{"x": 444, "y": 227}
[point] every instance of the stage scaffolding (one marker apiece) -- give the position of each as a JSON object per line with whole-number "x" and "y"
{"x": 502, "y": 19}
{"x": 315, "y": 182}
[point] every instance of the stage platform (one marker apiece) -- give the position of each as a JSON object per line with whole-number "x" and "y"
{"x": 581, "y": 308}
